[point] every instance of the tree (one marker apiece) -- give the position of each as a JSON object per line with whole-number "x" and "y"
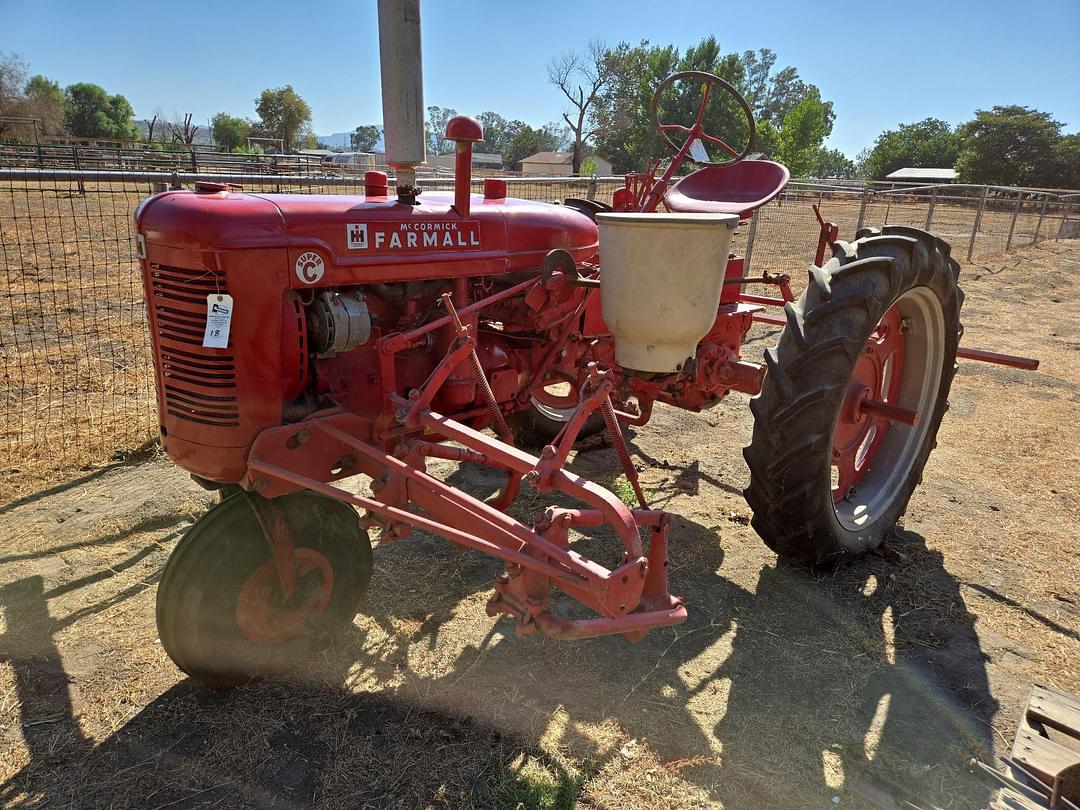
{"x": 90, "y": 112}
{"x": 436, "y": 130}
{"x": 1068, "y": 155}
{"x": 805, "y": 127}
{"x": 528, "y": 141}
{"x": 580, "y": 77}
{"x": 36, "y": 98}
{"x": 1011, "y": 146}
{"x": 772, "y": 95}
{"x": 364, "y": 137}
{"x": 626, "y": 133}
{"x": 498, "y": 132}
{"x": 927, "y": 144}
{"x": 832, "y": 163}
{"x": 45, "y": 102}
{"x": 283, "y": 114}
{"x": 182, "y": 131}
{"x": 12, "y": 97}
{"x": 231, "y": 131}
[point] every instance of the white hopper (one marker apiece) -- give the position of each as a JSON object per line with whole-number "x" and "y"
{"x": 661, "y": 276}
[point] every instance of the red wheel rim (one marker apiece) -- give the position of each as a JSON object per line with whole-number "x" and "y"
{"x": 263, "y": 617}
{"x": 877, "y": 376}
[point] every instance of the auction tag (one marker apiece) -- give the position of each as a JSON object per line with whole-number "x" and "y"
{"x": 697, "y": 151}
{"x": 218, "y": 319}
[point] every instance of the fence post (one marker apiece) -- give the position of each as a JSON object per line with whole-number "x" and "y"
{"x": 194, "y": 163}
{"x": 978, "y": 221}
{"x": 862, "y": 209}
{"x": 930, "y": 210}
{"x": 1042, "y": 213}
{"x": 75, "y": 155}
{"x": 1012, "y": 225}
{"x": 591, "y": 193}
{"x": 888, "y": 206}
{"x": 750, "y": 241}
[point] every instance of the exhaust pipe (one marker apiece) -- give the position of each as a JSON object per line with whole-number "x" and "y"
{"x": 402, "y": 92}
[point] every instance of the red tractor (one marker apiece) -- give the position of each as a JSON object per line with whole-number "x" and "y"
{"x": 303, "y": 339}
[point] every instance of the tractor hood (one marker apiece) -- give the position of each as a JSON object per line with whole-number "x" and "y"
{"x": 351, "y": 236}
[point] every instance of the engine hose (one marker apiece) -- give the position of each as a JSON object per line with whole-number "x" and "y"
{"x": 615, "y": 434}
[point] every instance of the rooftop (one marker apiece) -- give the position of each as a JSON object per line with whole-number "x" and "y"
{"x": 922, "y": 174}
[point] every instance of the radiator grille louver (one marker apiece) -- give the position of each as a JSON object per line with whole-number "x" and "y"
{"x": 200, "y": 383}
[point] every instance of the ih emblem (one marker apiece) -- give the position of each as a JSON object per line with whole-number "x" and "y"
{"x": 356, "y": 236}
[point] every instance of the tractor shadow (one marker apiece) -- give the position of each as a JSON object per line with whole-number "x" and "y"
{"x": 869, "y": 684}
{"x": 295, "y": 744}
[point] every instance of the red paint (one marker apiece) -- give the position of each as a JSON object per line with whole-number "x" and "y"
{"x": 736, "y": 188}
{"x": 861, "y": 430}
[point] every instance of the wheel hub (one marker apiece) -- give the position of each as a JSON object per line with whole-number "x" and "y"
{"x": 876, "y": 376}
{"x": 264, "y": 617}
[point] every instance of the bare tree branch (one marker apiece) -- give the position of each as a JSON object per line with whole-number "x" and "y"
{"x": 580, "y": 77}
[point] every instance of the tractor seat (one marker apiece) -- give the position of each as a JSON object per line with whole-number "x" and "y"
{"x": 737, "y": 188}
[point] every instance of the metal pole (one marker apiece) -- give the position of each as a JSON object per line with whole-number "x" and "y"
{"x": 978, "y": 221}
{"x": 1012, "y": 225}
{"x": 750, "y": 241}
{"x": 591, "y": 193}
{"x": 75, "y": 152}
{"x": 930, "y": 210}
{"x": 862, "y": 209}
{"x": 888, "y": 207}
{"x": 1042, "y": 213}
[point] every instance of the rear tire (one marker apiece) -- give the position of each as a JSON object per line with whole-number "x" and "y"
{"x": 902, "y": 273}
{"x": 220, "y": 616}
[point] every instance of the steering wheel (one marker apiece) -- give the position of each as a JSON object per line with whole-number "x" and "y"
{"x": 697, "y": 130}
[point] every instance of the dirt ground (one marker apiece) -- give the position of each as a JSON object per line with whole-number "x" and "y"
{"x": 869, "y": 688}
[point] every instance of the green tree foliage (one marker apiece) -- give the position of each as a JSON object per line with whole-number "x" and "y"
{"x": 790, "y": 114}
{"x": 498, "y": 132}
{"x": 1012, "y": 146}
{"x": 438, "y": 117}
{"x": 773, "y": 95}
{"x": 927, "y": 144}
{"x": 90, "y": 112}
{"x": 283, "y": 114}
{"x": 45, "y": 101}
{"x": 832, "y": 163}
{"x": 1067, "y": 150}
{"x": 364, "y": 137}
{"x": 805, "y": 127}
{"x": 528, "y": 141}
{"x": 231, "y": 131}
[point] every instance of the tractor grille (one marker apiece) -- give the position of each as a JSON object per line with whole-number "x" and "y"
{"x": 199, "y": 383}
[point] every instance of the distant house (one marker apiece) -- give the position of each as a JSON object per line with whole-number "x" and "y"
{"x": 559, "y": 164}
{"x": 923, "y": 176}
{"x": 480, "y": 160}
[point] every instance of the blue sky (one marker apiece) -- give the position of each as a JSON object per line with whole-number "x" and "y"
{"x": 880, "y": 63}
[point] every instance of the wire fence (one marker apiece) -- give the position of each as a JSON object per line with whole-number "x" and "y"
{"x": 76, "y": 374}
